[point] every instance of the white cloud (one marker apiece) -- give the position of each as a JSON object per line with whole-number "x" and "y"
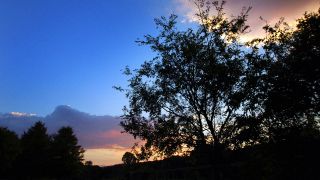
{"x": 19, "y": 114}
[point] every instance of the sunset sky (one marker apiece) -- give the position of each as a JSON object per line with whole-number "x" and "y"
{"x": 58, "y": 52}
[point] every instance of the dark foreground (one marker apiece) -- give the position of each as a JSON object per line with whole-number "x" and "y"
{"x": 298, "y": 159}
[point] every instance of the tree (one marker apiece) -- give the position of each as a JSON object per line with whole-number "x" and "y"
{"x": 287, "y": 78}
{"x": 88, "y": 163}
{"x": 66, "y": 153}
{"x": 9, "y": 150}
{"x": 129, "y": 158}
{"x": 34, "y": 160}
{"x": 190, "y": 94}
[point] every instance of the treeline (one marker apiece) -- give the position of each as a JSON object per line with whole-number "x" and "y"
{"x": 290, "y": 159}
{"x": 37, "y": 155}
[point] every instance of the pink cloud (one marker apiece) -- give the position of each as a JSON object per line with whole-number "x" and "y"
{"x": 270, "y": 10}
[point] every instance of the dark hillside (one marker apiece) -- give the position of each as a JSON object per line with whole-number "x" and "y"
{"x": 297, "y": 159}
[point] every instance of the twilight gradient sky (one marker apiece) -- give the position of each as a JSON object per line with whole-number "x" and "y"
{"x": 71, "y": 52}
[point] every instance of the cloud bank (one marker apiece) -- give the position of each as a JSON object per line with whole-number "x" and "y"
{"x": 100, "y": 135}
{"x": 270, "y": 10}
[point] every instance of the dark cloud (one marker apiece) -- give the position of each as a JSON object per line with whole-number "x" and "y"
{"x": 92, "y": 131}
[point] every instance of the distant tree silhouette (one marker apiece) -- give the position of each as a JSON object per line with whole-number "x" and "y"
{"x": 191, "y": 89}
{"x": 38, "y": 156}
{"x": 9, "y": 150}
{"x": 34, "y": 160}
{"x": 67, "y": 154}
{"x": 88, "y": 163}
{"x": 129, "y": 158}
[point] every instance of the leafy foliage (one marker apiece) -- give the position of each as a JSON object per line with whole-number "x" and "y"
{"x": 206, "y": 92}
{"x": 286, "y": 79}
{"x": 190, "y": 90}
{"x": 129, "y": 158}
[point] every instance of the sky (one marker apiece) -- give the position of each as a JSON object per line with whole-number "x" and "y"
{"x": 71, "y": 52}
{"x": 270, "y": 10}
{"x": 58, "y": 52}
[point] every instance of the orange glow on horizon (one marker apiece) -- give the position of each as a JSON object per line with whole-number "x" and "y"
{"x": 105, "y": 156}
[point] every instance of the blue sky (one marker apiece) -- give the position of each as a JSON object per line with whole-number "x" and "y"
{"x": 71, "y": 52}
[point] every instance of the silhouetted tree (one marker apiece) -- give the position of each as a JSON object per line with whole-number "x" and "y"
{"x": 34, "y": 160}
{"x": 67, "y": 154}
{"x": 9, "y": 150}
{"x": 38, "y": 156}
{"x": 190, "y": 90}
{"x": 206, "y": 90}
{"x": 286, "y": 80}
{"x": 129, "y": 158}
{"x": 88, "y": 163}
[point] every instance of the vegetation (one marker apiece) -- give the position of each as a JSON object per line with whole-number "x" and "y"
{"x": 226, "y": 104}
{"x": 36, "y": 155}
{"x": 129, "y": 158}
{"x": 66, "y": 153}
{"x": 192, "y": 90}
{"x": 34, "y": 160}
{"x": 9, "y": 149}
